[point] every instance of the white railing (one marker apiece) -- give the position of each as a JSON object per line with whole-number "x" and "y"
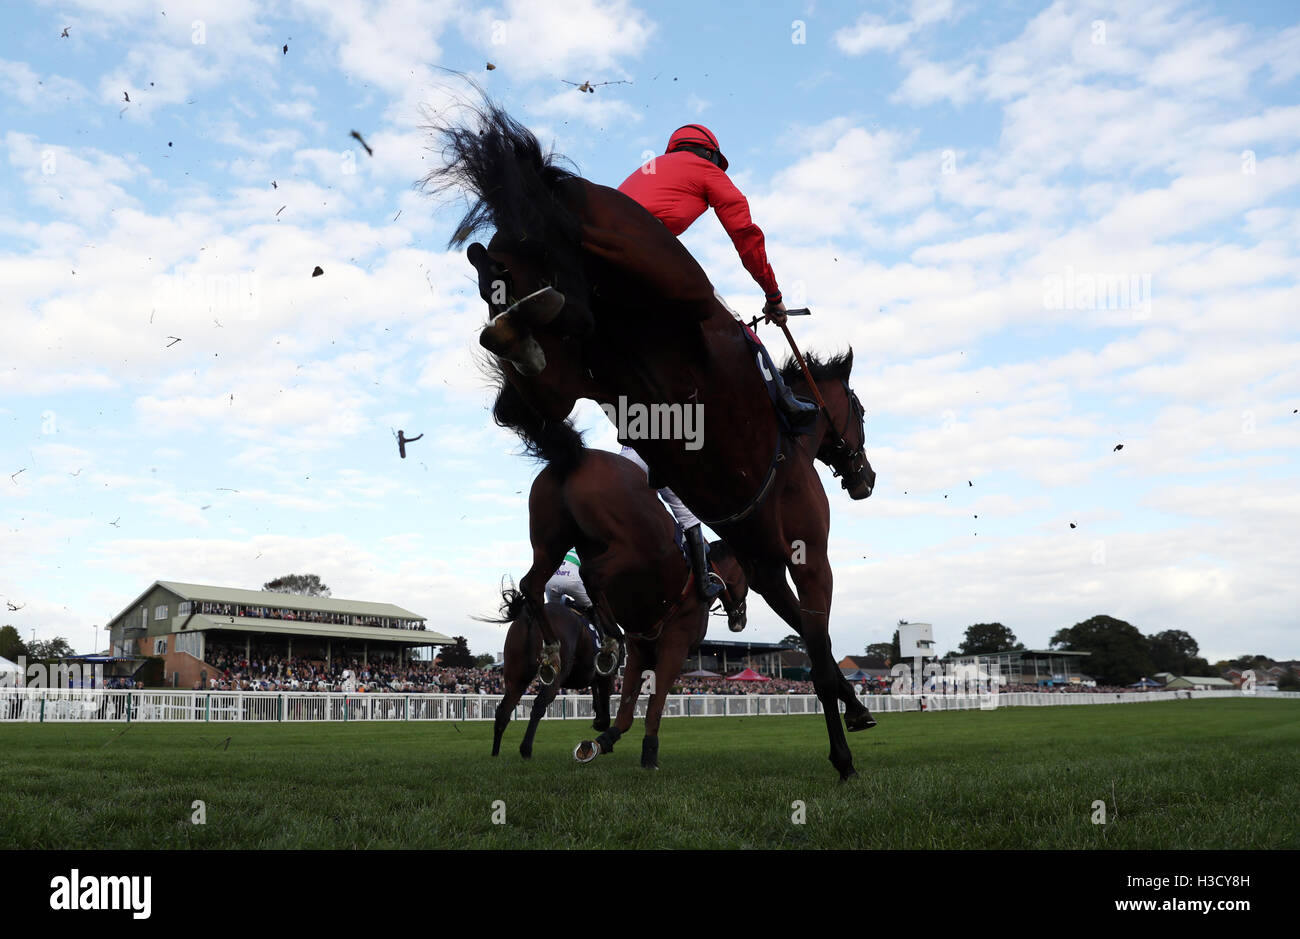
{"x": 46, "y": 705}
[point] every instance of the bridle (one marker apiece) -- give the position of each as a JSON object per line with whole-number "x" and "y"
{"x": 842, "y": 454}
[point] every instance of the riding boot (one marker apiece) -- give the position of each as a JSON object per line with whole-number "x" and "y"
{"x": 707, "y": 586}
{"x": 798, "y": 410}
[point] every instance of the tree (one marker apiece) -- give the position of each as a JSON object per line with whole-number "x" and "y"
{"x": 987, "y": 638}
{"x": 1174, "y": 650}
{"x": 887, "y": 650}
{"x": 486, "y": 660}
{"x": 456, "y": 655}
{"x": 1120, "y": 653}
{"x": 795, "y": 640}
{"x": 1289, "y": 681}
{"x": 11, "y": 644}
{"x": 47, "y": 649}
{"x": 306, "y": 585}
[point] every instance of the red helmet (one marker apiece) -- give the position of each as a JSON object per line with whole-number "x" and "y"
{"x": 697, "y": 139}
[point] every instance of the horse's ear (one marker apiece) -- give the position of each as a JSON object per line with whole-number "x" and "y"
{"x": 476, "y": 253}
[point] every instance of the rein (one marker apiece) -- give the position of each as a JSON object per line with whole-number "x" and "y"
{"x": 841, "y": 444}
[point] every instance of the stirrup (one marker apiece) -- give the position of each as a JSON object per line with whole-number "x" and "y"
{"x": 711, "y": 586}
{"x": 608, "y": 656}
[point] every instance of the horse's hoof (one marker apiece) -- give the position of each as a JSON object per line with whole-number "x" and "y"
{"x": 546, "y": 674}
{"x": 863, "y": 721}
{"x": 586, "y": 751}
{"x": 649, "y": 765}
{"x": 606, "y": 662}
{"x": 846, "y": 776}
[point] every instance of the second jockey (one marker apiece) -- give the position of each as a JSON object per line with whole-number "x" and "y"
{"x": 678, "y": 187}
{"x": 567, "y": 582}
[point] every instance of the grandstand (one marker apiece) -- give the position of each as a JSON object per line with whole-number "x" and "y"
{"x": 1041, "y": 667}
{"x": 180, "y": 626}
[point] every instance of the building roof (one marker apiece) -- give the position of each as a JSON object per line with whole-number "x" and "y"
{"x": 415, "y": 637}
{"x": 1202, "y": 680}
{"x": 1021, "y": 652}
{"x": 270, "y": 598}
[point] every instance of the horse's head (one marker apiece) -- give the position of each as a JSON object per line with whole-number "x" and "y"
{"x": 525, "y": 329}
{"x": 842, "y": 445}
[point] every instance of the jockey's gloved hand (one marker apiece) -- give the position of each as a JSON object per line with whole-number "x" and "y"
{"x": 774, "y": 312}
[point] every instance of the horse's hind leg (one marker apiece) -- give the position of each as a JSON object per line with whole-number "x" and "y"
{"x": 504, "y": 711}
{"x": 544, "y": 699}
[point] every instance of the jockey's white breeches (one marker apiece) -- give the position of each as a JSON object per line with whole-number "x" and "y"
{"x": 685, "y": 517}
{"x": 567, "y": 582}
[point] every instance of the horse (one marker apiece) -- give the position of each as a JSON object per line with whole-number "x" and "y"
{"x": 633, "y": 567}
{"x": 590, "y": 296}
{"x": 523, "y": 642}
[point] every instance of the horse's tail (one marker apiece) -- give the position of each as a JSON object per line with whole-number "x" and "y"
{"x": 512, "y": 182}
{"x": 557, "y": 443}
{"x": 513, "y": 603}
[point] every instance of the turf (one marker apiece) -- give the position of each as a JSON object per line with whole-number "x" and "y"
{"x": 1180, "y": 774}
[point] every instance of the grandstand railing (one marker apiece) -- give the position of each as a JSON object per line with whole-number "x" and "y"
{"x": 47, "y": 705}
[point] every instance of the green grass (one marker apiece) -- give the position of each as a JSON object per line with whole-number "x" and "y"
{"x": 1180, "y": 774}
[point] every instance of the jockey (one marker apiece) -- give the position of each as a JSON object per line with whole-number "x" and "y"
{"x": 707, "y": 584}
{"x": 677, "y": 187}
{"x": 567, "y": 582}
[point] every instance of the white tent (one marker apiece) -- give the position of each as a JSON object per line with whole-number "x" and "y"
{"x": 10, "y": 673}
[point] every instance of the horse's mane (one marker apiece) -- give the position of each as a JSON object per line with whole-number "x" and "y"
{"x": 835, "y": 368}
{"x": 556, "y": 443}
{"x": 512, "y": 183}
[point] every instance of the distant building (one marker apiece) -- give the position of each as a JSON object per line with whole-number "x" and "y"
{"x": 1028, "y": 666}
{"x": 181, "y": 625}
{"x": 1199, "y": 683}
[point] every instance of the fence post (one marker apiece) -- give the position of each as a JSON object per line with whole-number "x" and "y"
{"x": 207, "y": 708}
{"x": 406, "y": 708}
{"x": 279, "y": 708}
{"x": 42, "y": 720}
{"x": 345, "y": 709}
{"x": 129, "y": 696}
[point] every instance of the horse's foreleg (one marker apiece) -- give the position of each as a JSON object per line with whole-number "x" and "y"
{"x": 600, "y": 689}
{"x": 588, "y": 750}
{"x": 785, "y": 604}
{"x": 813, "y": 581}
{"x": 673, "y": 646}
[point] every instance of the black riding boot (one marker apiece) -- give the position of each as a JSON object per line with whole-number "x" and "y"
{"x": 706, "y": 586}
{"x": 798, "y": 410}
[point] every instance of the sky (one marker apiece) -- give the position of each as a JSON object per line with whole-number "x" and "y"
{"x": 1045, "y": 229}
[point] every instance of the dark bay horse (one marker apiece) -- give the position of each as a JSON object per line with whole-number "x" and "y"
{"x": 591, "y": 296}
{"x": 523, "y": 646}
{"x": 600, "y": 504}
